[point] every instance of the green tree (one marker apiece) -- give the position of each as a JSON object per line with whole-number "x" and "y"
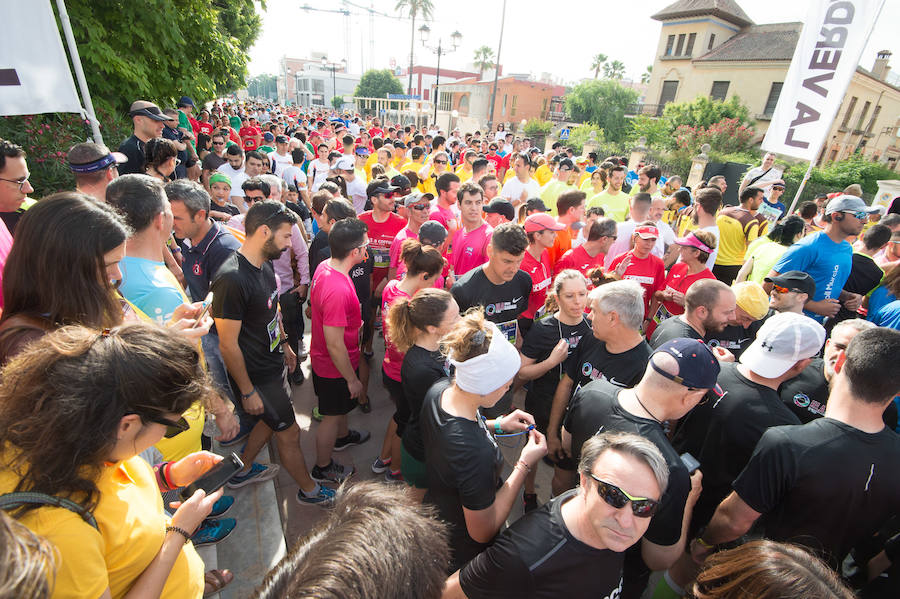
{"x": 614, "y": 69}
{"x": 414, "y": 8}
{"x": 646, "y": 75}
{"x": 704, "y": 112}
{"x": 263, "y": 86}
{"x": 597, "y": 63}
{"x": 377, "y": 84}
{"x": 484, "y": 59}
{"x": 196, "y": 48}
{"x": 602, "y": 103}
{"x": 656, "y": 131}
{"x": 337, "y": 102}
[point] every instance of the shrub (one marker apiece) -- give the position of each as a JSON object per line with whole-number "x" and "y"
{"x": 535, "y": 127}
{"x": 726, "y": 136}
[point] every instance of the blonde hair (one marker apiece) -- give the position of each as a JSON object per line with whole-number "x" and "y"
{"x": 551, "y": 304}
{"x": 469, "y": 338}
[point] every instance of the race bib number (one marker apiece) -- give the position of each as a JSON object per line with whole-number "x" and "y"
{"x": 509, "y": 330}
{"x": 274, "y": 333}
{"x": 381, "y": 256}
{"x": 769, "y": 213}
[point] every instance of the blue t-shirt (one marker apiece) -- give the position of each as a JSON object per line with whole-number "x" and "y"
{"x": 151, "y": 287}
{"x": 879, "y": 297}
{"x": 827, "y": 262}
{"x": 888, "y": 315}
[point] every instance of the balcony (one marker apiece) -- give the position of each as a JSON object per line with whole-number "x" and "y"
{"x": 649, "y": 109}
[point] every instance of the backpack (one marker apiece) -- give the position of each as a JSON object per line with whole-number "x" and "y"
{"x": 11, "y": 501}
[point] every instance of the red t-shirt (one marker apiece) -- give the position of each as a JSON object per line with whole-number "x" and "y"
{"x": 380, "y": 237}
{"x": 333, "y": 303}
{"x": 539, "y": 271}
{"x": 376, "y": 132}
{"x": 649, "y": 272}
{"x": 580, "y": 260}
{"x": 206, "y": 128}
{"x": 679, "y": 280}
{"x": 393, "y": 359}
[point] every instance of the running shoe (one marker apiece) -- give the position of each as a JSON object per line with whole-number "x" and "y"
{"x": 332, "y": 473}
{"x": 258, "y": 473}
{"x": 222, "y": 506}
{"x": 323, "y": 497}
{"x": 353, "y": 438}
{"x": 380, "y": 465}
{"x": 213, "y": 531}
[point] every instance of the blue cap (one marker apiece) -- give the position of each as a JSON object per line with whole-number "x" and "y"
{"x": 267, "y": 136}
{"x": 697, "y": 365}
{"x": 185, "y": 101}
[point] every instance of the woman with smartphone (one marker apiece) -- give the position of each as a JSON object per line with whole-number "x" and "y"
{"x": 98, "y": 399}
{"x": 461, "y": 451}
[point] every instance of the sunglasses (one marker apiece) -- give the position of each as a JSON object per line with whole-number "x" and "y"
{"x": 389, "y": 195}
{"x": 440, "y": 162}
{"x": 781, "y": 289}
{"x": 254, "y": 198}
{"x": 218, "y": 143}
{"x": 860, "y": 215}
{"x": 420, "y": 206}
{"x": 641, "y": 507}
{"x": 173, "y": 427}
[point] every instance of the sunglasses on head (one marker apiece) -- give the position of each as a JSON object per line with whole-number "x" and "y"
{"x": 641, "y": 507}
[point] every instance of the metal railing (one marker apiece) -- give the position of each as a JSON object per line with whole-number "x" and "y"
{"x": 640, "y": 108}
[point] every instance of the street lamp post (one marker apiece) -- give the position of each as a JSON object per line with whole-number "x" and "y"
{"x": 332, "y": 66}
{"x": 455, "y": 37}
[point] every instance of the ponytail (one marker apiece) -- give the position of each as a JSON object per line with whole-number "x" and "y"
{"x": 408, "y": 317}
{"x": 421, "y": 259}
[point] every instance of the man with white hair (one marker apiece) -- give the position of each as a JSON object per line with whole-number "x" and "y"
{"x": 574, "y": 546}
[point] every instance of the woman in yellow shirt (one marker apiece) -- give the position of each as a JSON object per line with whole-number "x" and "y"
{"x": 96, "y": 400}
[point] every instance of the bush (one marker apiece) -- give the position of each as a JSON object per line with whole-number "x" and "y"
{"x": 580, "y": 134}
{"x": 657, "y": 132}
{"x": 835, "y": 176}
{"x": 704, "y": 112}
{"x": 726, "y": 136}
{"x": 46, "y": 139}
{"x": 602, "y": 103}
{"x": 536, "y": 127}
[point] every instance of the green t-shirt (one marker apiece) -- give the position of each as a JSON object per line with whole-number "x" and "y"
{"x": 615, "y": 206}
{"x": 185, "y": 123}
{"x": 265, "y": 149}
{"x": 551, "y": 191}
{"x": 235, "y": 122}
{"x": 765, "y": 254}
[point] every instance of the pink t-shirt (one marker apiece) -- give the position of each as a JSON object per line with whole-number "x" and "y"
{"x": 6, "y": 242}
{"x": 393, "y": 359}
{"x": 396, "y": 246}
{"x": 469, "y": 249}
{"x": 447, "y": 217}
{"x": 333, "y": 303}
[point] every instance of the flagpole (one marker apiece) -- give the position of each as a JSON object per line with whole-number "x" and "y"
{"x": 79, "y": 72}
{"x": 803, "y": 182}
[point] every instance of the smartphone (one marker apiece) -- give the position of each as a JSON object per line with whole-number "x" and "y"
{"x": 690, "y": 462}
{"x": 206, "y": 305}
{"x": 215, "y": 478}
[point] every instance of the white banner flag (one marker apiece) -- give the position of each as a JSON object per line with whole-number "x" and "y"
{"x": 34, "y": 72}
{"x": 833, "y": 38}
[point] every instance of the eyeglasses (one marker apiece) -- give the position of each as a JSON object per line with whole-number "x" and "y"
{"x": 858, "y": 214}
{"x": 20, "y": 182}
{"x": 641, "y": 507}
{"x": 420, "y": 206}
{"x": 440, "y": 162}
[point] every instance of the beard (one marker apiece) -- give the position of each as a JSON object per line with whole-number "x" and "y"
{"x": 271, "y": 251}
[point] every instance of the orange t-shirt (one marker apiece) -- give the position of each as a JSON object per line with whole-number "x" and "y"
{"x": 561, "y": 245}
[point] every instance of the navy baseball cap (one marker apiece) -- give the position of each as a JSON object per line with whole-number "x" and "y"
{"x": 432, "y": 233}
{"x": 697, "y": 365}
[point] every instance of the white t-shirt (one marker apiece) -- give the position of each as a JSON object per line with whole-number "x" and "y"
{"x": 356, "y": 189}
{"x": 773, "y": 174}
{"x": 512, "y": 189}
{"x": 318, "y": 170}
{"x": 237, "y": 178}
{"x": 294, "y": 175}
{"x": 714, "y": 229}
{"x": 625, "y": 230}
{"x": 281, "y": 162}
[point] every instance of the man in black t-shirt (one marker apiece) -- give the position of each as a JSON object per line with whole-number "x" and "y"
{"x": 722, "y": 433}
{"x": 148, "y": 123}
{"x": 677, "y": 377}
{"x": 573, "y": 546}
{"x": 501, "y": 289}
{"x": 751, "y": 310}
{"x": 865, "y": 274}
{"x": 616, "y": 352}
{"x": 255, "y": 348}
{"x": 709, "y": 306}
{"x": 833, "y": 482}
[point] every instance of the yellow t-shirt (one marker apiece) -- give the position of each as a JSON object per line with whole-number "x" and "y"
{"x": 543, "y": 174}
{"x": 463, "y": 173}
{"x": 370, "y": 161}
{"x": 132, "y": 526}
{"x": 510, "y": 173}
{"x": 551, "y": 191}
{"x": 737, "y": 228}
{"x": 614, "y": 206}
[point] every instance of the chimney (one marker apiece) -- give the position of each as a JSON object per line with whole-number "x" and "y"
{"x": 881, "y": 68}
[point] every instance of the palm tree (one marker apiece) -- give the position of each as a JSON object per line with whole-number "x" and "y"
{"x": 614, "y": 70}
{"x": 484, "y": 59}
{"x": 598, "y": 63}
{"x": 645, "y": 77}
{"x": 413, "y": 9}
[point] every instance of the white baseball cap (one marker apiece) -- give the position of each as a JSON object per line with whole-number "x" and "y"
{"x": 781, "y": 342}
{"x": 345, "y": 163}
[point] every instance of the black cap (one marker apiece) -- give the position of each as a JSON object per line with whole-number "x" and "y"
{"x": 567, "y": 163}
{"x": 281, "y": 139}
{"x": 432, "y": 233}
{"x": 401, "y": 182}
{"x": 399, "y": 144}
{"x": 795, "y": 280}
{"x": 536, "y": 204}
{"x": 503, "y": 207}
{"x": 379, "y": 186}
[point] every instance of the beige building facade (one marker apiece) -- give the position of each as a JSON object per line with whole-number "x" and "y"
{"x": 712, "y": 48}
